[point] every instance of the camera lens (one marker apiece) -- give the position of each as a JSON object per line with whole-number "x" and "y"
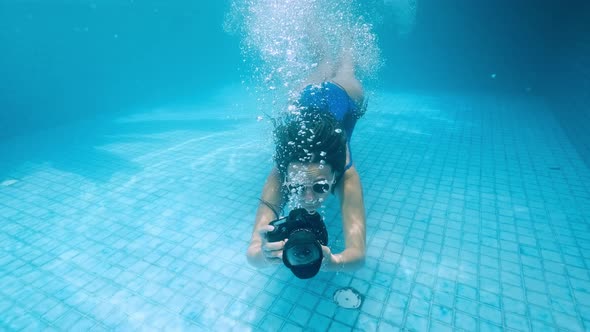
{"x": 306, "y": 233}
{"x": 302, "y": 248}
{"x": 302, "y": 254}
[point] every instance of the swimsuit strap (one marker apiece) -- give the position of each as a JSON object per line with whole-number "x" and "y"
{"x": 349, "y": 165}
{"x": 346, "y": 168}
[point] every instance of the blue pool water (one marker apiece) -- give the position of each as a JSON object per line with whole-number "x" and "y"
{"x": 128, "y": 195}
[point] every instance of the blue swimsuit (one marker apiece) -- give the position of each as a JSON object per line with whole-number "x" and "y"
{"x": 331, "y": 96}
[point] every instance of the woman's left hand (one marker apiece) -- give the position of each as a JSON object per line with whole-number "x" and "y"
{"x": 331, "y": 262}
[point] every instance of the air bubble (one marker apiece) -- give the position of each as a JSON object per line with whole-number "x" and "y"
{"x": 338, "y": 130}
{"x": 278, "y": 44}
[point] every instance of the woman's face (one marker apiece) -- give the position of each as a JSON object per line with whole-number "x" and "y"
{"x": 309, "y": 183}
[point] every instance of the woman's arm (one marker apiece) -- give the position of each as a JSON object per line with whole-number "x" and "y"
{"x": 271, "y": 193}
{"x": 353, "y": 223}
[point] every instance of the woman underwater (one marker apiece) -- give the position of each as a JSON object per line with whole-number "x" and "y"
{"x": 312, "y": 160}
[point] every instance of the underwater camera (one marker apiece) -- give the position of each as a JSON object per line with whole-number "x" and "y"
{"x": 306, "y": 233}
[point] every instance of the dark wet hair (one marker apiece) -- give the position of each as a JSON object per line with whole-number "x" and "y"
{"x": 312, "y": 136}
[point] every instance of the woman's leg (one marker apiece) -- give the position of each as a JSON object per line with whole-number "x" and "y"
{"x": 325, "y": 66}
{"x": 341, "y": 72}
{"x": 345, "y": 76}
{"x": 324, "y": 71}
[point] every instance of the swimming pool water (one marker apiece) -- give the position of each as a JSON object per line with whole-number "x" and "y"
{"x": 477, "y": 219}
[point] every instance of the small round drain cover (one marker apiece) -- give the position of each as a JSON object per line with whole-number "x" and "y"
{"x": 348, "y": 298}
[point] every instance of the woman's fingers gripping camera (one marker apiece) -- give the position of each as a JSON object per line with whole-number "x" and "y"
{"x": 272, "y": 251}
{"x": 331, "y": 262}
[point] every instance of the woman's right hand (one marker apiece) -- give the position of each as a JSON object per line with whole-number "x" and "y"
{"x": 266, "y": 253}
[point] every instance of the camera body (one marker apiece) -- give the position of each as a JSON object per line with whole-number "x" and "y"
{"x": 298, "y": 219}
{"x": 306, "y": 233}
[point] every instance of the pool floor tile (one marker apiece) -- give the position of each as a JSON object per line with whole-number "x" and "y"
{"x": 477, "y": 206}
